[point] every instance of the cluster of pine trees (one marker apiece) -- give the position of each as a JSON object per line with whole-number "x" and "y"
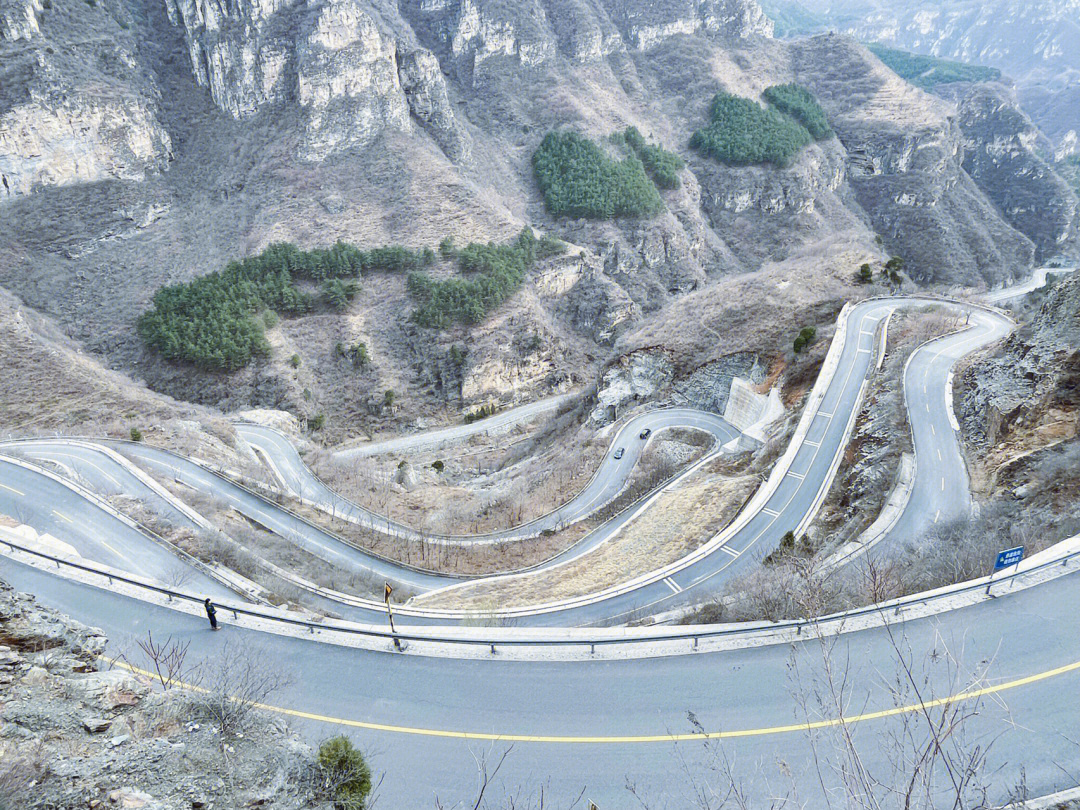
{"x": 800, "y": 104}
{"x": 578, "y": 179}
{"x": 663, "y": 166}
{"x": 212, "y": 321}
{"x": 743, "y": 133}
{"x": 218, "y": 321}
{"x": 498, "y": 271}
{"x": 927, "y": 71}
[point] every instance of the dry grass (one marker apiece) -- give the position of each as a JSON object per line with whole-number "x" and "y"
{"x": 661, "y": 460}
{"x": 679, "y": 521}
{"x": 51, "y": 385}
{"x": 488, "y": 482}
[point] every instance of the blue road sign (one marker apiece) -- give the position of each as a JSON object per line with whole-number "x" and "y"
{"x": 1010, "y": 556}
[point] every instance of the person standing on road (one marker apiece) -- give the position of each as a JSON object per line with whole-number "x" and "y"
{"x": 211, "y": 613}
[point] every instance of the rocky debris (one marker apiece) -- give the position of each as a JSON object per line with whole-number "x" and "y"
{"x": 95, "y": 725}
{"x": 1030, "y": 386}
{"x": 19, "y": 19}
{"x": 75, "y": 736}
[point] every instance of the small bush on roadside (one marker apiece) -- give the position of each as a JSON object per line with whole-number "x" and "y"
{"x": 344, "y": 774}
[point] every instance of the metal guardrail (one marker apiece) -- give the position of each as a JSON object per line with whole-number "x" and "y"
{"x": 896, "y": 607}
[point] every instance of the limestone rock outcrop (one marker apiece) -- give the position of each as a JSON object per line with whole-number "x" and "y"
{"x": 71, "y": 114}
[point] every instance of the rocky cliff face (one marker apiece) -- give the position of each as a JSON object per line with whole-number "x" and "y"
{"x": 1034, "y": 42}
{"x": 350, "y": 78}
{"x": 19, "y": 19}
{"x": 75, "y": 105}
{"x": 905, "y": 156}
{"x": 1002, "y": 154}
{"x": 379, "y": 122}
{"x": 1032, "y": 383}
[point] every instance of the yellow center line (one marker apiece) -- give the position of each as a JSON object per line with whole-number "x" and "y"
{"x": 969, "y": 694}
{"x": 12, "y": 489}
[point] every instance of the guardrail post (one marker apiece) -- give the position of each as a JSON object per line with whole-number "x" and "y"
{"x": 493, "y": 649}
{"x": 798, "y": 629}
{"x": 897, "y": 611}
{"x": 592, "y": 648}
{"x": 168, "y": 596}
{"x": 695, "y": 642}
{"x": 234, "y": 615}
{"x": 311, "y": 629}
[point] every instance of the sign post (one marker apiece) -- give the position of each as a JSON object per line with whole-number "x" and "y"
{"x": 1004, "y": 559}
{"x": 387, "y": 590}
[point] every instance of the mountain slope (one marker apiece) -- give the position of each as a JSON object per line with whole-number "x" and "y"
{"x": 379, "y": 122}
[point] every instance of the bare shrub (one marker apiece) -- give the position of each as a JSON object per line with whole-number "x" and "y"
{"x": 234, "y": 683}
{"x": 16, "y": 776}
{"x": 167, "y": 657}
{"x": 924, "y": 756}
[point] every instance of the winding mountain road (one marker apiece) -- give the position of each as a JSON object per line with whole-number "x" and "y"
{"x": 439, "y": 437}
{"x": 609, "y": 480}
{"x": 599, "y": 725}
{"x": 786, "y": 503}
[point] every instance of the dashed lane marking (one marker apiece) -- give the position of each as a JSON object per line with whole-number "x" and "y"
{"x": 12, "y": 489}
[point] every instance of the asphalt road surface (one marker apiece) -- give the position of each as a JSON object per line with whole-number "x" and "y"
{"x": 600, "y": 725}
{"x": 415, "y": 713}
{"x": 801, "y": 488}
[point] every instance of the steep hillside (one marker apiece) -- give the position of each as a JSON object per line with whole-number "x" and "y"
{"x": 1019, "y": 409}
{"x": 1030, "y": 388}
{"x": 1003, "y": 154}
{"x": 1033, "y": 42}
{"x": 377, "y": 122}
